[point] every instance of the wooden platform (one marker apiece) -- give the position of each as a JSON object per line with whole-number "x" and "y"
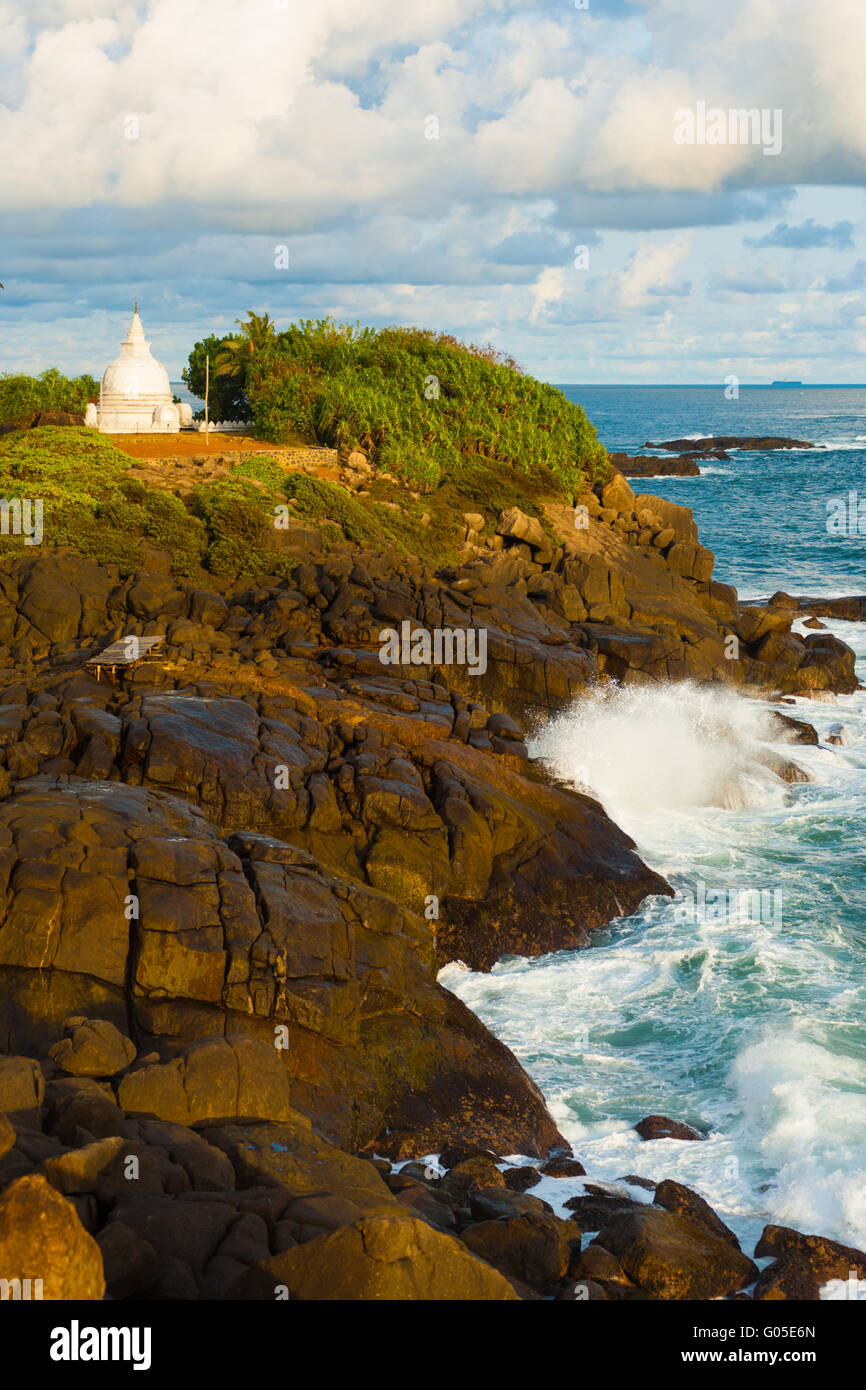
{"x": 126, "y": 653}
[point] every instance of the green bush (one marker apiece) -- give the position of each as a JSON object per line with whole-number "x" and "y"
{"x": 238, "y": 518}
{"x": 419, "y": 404}
{"x": 22, "y": 398}
{"x": 91, "y": 504}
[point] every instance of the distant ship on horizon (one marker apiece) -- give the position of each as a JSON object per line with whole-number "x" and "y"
{"x": 786, "y": 383}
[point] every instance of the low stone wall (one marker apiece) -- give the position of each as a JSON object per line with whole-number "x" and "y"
{"x": 292, "y": 457}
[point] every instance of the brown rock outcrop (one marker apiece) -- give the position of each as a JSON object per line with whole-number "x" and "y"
{"x": 145, "y": 916}
{"x": 673, "y": 1257}
{"x": 379, "y": 1257}
{"x": 42, "y": 1240}
{"x": 827, "y": 1259}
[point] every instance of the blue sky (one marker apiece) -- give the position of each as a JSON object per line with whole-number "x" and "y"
{"x": 439, "y": 162}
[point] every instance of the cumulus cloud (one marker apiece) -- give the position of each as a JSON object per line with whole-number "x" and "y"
{"x": 271, "y": 103}
{"x": 435, "y": 161}
{"x": 650, "y": 271}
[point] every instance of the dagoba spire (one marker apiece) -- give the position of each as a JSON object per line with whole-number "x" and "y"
{"x": 136, "y": 394}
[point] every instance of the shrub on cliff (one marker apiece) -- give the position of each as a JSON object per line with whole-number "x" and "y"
{"x": 420, "y": 404}
{"x": 23, "y": 397}
{"x": 238, "y": 519}
{"x": 91, "y": 504}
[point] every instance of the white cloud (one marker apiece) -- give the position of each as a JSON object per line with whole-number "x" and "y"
{"x": 549, "y": 288}
{"x": 233, "y": 105}
{"x": 260, "y": 124}
{"x": 651, "y": 268}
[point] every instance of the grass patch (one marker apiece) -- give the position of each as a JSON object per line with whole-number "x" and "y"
{"x": 90, "y": 503}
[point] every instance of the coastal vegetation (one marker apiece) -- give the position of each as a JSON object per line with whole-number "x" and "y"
{"x": 23, "y": 398}
{"x": 442, "y": 428}
{"x": 224, "y": 528}
{"x": 418, "y": 404}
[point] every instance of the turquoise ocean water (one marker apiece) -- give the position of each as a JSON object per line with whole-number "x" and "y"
{"x": 740, "y": 1005}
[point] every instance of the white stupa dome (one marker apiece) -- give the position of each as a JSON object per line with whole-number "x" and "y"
{"x": 136, "y": 393}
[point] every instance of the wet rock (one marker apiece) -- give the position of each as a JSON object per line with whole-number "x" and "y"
{"x": 676, "y": 1197}
{"x": 827, "y": 1259}
{"x": 472, "y": 1175}
{"x": 672, "y": 1257}
{"x": 790, "y": 1277}
{"x": 634, "y": 1180}
{"x": 534, "y": 1247}
{"x": 661, "y": 1127}
{"x": 583, "y": 1291}
{"x": 648, "y": 466}
{"x": 591, "y": 1211}
{"x": 561, "y": 1166}
{"x": 711, "y": 442}
{"x": 429, "y": 1206}
{"x": 597, "y": 1263}
{"x": 521, "y": 1179}
{"x": 796, "y": 729}
{"x": 500, "y": 1203}
{"x": 454, "y": 1154}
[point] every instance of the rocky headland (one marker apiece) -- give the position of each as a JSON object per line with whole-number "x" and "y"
{"x": 229, "y": 875}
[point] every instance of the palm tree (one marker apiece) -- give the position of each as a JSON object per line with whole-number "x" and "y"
{"x": 256, "y": 331}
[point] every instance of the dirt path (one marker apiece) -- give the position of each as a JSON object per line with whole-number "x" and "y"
{"x": 187, "y": 443}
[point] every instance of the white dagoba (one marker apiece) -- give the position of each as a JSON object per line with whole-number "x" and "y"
{"x": 136, "y": 395}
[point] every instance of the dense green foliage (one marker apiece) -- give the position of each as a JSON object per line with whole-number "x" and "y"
{"x": 226, "y": 399}
{"x": 92, "y": 505}
{"x": 22, "y": 397}
{"x": 238, "y": 519}
{"x": 419, "y": 404}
